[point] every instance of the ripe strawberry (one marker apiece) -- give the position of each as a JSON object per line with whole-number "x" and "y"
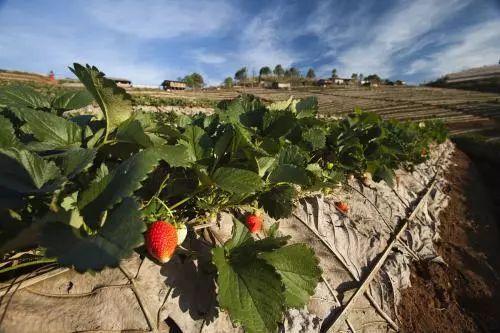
{"x": 181, "y": 233}
{"x": 161, "y": 240}
{"x": 342, "y": 206}
{"x": 254, "y": 223}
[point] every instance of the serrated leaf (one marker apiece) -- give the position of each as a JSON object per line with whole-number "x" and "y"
{"x": 278, "y": 201}
{"x": 175, "y": 156}
{"x": 25, "y": 172}
{"x": 299, "y": 270}
{"x": 281, "y": 125}
{"x": 75, "y": 160}
{"x": 288, "y": 173}
{"x": 315, "y": 137}
{"x": 22, "y": 96}
{"x": 121, "y": 233}
{"x": 72, "y": 100}
{"x": 197, "y": 142}
{"x": 307, "y": 107}
{"x": 292, "y": 154}
{"x": 114, "y": 101}
{"x": 251, "y": 293}
{"x": 52, "y": 131}
{"x": 249, "y": 289}
{"x": 264, "y": 164}
{"x": 7, "y": 135}
{"x": 239, "y": 235}
{"x": 280, "y": 105}
{"x": 237, "y": 180}
{"x": 122, "y": 182}
{"x": 131, "y": 131}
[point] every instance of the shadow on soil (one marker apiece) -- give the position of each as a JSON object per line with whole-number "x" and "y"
{"x": 464, "y": 295}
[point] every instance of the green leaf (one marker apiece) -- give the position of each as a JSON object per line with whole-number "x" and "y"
{"x": 7, "y": 135}
{"x": 122, "y": 182}
{"x": 22, "y": 96}
{"x": 52, "y": 131}
{"x": 237, "y": 180}
{"x": 307, "y": 107}
{"x": 75, "y": 160}
{"x": 278, "y": 201}
{"x": 114, "y": 101}
{"x": 280, "y": 105}
{"x": 315, "y": 137}
{"x": 131, "y": 131}
{"x": 239, "y": 235}
{"x": 299, "y": 270}
{"x": 282, "y": 125}
{"x": 252, "y": 293}
{"x": 292, "y": 154}
{"x": 288, "y": 173}
{"x": 249, "y": 288}
{"x": 72, "y": 100}
{"x": 175, "y": 156}
{"x": 25, "y": 172}
{"x": 382, "y": 172}
{"x": 264, "y": 164}
{"x": 121, "y": 233}
{"x": 197, "y": 142}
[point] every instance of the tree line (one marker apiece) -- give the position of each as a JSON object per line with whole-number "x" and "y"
{"x": 195, "y": 80}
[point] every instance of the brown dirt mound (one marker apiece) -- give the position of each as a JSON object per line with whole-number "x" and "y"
{"x": 464, "y": 295}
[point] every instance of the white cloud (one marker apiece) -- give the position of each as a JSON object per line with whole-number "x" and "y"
{"x": 163, "y": 19}
{"x": 263, "y": 42}
{"x": 396, "y": 32}
{"x": 206, "y": 57}
{"x": 476, "y": 46}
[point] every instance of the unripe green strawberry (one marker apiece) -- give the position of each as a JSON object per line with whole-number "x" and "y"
{"x": 329, "y": 165}
{"x": 161, "y": 240}
{"x": 254, "y": 223}
{"x": 181, "y": 233}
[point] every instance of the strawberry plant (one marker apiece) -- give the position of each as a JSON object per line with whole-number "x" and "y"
{"x": 82, "y": 189}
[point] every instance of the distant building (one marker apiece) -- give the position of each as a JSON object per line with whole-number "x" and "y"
{"x": 323, "y": 82}
{"x": 282, "y": 85}
{"x": 173, "y": 85}
{"x": 474, "y": 74}
{"x": 120, "y": 82}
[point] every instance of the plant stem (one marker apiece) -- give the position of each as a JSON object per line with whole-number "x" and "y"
{"x": 27, "y": 264}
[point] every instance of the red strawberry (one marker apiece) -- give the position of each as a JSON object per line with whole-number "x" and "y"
{"x": 342, "y": 206}
{"x": 161, "y": 240}
{"x": 254, "y": 223}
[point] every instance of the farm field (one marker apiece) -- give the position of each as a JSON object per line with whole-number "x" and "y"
{"x": 127, "y": 190}
{"x": 463, "y": 111}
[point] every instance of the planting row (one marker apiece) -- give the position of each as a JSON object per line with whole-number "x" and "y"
{"x": 82, "y": 191}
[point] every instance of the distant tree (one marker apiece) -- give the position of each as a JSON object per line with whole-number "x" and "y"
{"x": 294, "y": 72}
{"x": 264, "y": 71}
{"x": 194, "y": 80}
{"x": 241, "y": 74}
{"x": 354, "y": 77}
{"x": 228, "y": 82}
{"x": 374, "y": 78}
{"x": 361, "y": 76}
{"x": 279, "y": 71}
{"x": 310, "y": 74}
{"x": 334, "y": 73}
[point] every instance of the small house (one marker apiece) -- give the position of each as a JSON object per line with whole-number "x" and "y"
{"x": 323, "y": 82}
{"x": 173, "y": 85}
{"x": 282, "y": 85}
{"x": 120, "y": 82}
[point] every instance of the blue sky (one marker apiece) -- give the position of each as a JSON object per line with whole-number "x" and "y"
{"x": 148, "y": 41}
